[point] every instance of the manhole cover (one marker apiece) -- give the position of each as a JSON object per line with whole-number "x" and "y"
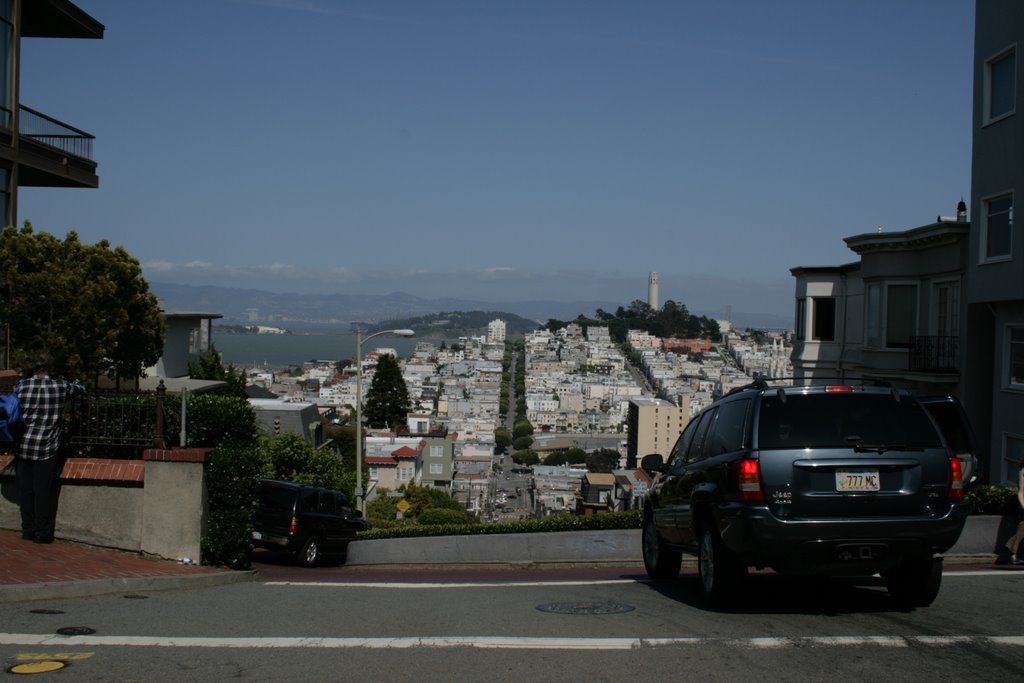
{"x": 76, "y": 631}
{"x": 46, "y": 611}
{"x": 136, "y": 596}
{"x": 585, "y": 608}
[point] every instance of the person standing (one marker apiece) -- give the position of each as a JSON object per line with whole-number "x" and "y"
{"x": 37, "y": 467}
{"x": 1014, "y": 545}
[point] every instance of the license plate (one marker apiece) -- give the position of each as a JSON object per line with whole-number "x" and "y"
{"x": 857, "y": 480}
{"x": 257, "y": 536}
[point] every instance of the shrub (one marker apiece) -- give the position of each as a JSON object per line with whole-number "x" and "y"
{"x": 213, "y": 420}
{"x": 992, "y": 500}
{"x": 630, "y": 519}
{"x": 292, "y": 458}
{"x": 232, "y": 483}
{"x": 437, "y": 516}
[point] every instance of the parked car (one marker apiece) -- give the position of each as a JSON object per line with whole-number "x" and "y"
{"x": 307, "y": 521}
{"x": 823, "y": 480}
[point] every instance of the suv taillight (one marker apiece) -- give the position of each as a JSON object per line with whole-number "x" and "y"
{"x": 956, "y": 479}
{"x": 294, "y": 526}
{"x": 749, "y": 475}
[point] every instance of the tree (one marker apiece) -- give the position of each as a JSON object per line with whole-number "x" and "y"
{"x": 87, "y": 304}
{"x": 522, "y": 443}
{"x": 292, "y": 458}
{"x": 603, "y": 460}
{"x": 209, "y": 366}
{"x": 522, "y": 428}
{"x": 502, "y": 439}
{"x": 387, "y": 401}
{"x": 526, "y": 457}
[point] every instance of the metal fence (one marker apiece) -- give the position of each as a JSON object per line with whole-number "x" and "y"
{"x": 49, "y": 131}
{"x": 934, "y": 354}
{"x": 116, "y": 425}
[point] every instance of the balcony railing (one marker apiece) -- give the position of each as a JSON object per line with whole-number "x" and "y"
{"x": 934, "y": 354}
{"x": 53, "y": 133}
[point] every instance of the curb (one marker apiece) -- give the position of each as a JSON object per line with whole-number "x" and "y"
{"x": 61, "y": 590}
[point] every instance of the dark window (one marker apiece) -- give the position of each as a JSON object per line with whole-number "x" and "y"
{"x": 728, "y": 433}
{"x": 678, "y": 457}
{"x": 801, "y": 319}
{"x": 309, "y": 500}
{"x": 900, "y": 316}
{"x": 998, "y": 226}
{"x": 277, "y": 498}
{"x": 1002, "y": 82}
{"x": 824, "y": 319}
{"x": 695, "y": 451}
{"x": 843, "y": 420}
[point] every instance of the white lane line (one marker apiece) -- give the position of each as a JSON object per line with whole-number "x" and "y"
{"x": 529, "y": 584}
{"x": 499, "y": 643}
{"x": 501, "y": 584}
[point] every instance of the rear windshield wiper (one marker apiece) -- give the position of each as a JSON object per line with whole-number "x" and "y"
{"x": 884, "y": 447}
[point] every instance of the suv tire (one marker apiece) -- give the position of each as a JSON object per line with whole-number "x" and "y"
{"x": 719, "y": 571}
{"x": 310, "y": 552}
{"x": 660, "y": 561}
{"x": 916, "y": 581}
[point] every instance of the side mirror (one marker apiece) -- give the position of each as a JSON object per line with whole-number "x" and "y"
{"x": 654, "y": 462}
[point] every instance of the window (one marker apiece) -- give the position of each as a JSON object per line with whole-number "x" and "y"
{"x": 1001, "y": 85}
{"x": 436, "y": 452}
{"x": 436, "y": 468}
{"x": 824, "y": 319}
{"x": 1015, "y": 357}
{"x": 890, "y": 320}
{"x": 947, "y": 309}
{"x": 729, "y": 428}
{"x": 998, "y": 215}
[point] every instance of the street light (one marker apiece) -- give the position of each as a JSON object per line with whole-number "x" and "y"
{"x": 360, "y": 502}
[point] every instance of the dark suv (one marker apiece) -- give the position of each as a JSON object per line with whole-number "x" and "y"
{"x": 307, "y": 521}
{"x": 823, "y": 480}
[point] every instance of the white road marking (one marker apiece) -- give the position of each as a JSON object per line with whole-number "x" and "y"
{"x": 498, "y": 584}
{"x": 498, "y": 643}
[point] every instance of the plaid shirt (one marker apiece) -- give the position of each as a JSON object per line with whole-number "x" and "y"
{"x": 42, "y": 408}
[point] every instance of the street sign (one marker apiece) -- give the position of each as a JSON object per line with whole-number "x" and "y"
{"x": 403, "y": 506}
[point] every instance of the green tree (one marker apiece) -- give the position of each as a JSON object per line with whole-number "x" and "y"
{"x": 522, "y": 443}
{"x": 603, "y": 460}
{"x": 87, "y": 303}
{"x": 502, "y": 439}
{"x": 522, "y": 428}
{"x": 556, "y": 458}
{"x": 387, "y": 401}
{"x": 291, "y": 458}
{"x": 526, "y": 457}
{"x": 209, "y": 366}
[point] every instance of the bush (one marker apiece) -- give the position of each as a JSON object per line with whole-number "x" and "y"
{"x": 438, "y": 516}
{"x": 292, "y": 458}
{"x": 992, "y": 500}
{"x": 232, "y": 482}
{"x": 213, "y": 420}
{"x": 631, "y": 519}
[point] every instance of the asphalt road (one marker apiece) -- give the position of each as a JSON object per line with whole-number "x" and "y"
{"x": 598, "y": 624}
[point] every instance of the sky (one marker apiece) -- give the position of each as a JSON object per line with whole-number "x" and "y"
{"x": 508, "y": 150}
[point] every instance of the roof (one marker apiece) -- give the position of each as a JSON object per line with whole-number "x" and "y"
{"x": 600, "y": 479}
{"x": 379, "y": 460}
{"x": 405, "y": 452}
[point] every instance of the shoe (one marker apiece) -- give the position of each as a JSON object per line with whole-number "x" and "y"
{"x": 1016, "y": 560}
{"x": 27, "y": 536}
{"x": 43, "y": 539}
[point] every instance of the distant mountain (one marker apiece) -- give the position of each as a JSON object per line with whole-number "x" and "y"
{"x": 298, "y": 311}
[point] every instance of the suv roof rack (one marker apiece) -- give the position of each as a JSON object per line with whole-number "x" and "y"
{"x": 761, "y": 382}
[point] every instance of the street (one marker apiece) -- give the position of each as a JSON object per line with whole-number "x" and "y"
{"x": 597, "y": 624}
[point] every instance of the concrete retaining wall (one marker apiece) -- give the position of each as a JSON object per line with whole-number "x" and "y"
{"x": 156, "y": 505}
{"x": 982, "y": 535}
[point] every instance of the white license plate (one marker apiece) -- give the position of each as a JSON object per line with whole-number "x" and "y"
{"x": 257, "y": 536}
{"x": 857, "y": 480}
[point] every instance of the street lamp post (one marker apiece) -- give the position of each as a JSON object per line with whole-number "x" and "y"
{"x": 360, "y": 501}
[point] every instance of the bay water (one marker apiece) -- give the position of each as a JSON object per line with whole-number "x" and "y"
{"x": 291, "y": 350}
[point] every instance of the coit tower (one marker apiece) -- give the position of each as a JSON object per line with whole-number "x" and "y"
{"x": 652, "y": 290}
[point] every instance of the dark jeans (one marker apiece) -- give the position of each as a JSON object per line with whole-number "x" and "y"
{"x": 37, "y": 495}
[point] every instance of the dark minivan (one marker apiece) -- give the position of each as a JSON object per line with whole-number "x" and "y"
{"x": 306, "y": 521}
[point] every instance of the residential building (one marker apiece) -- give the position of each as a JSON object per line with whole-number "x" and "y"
{"x": 36, "y": 149}
{"x": 993, "y": 368}
{"x": 496, "y": 331}
{"x": 654, "y": 424}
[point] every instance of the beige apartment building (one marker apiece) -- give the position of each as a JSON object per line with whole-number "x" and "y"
{"x": 654, "y": 424}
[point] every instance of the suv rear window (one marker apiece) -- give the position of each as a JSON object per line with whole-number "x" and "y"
{"x": 277, "y": 498}
{"x": 842, "y": 420}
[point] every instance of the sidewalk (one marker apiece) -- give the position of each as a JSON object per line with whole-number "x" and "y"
{"x": 32, "y": 571}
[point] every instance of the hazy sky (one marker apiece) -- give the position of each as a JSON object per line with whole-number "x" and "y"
{"x": 508, "y": 149}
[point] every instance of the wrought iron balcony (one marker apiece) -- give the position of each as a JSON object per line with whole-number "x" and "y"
{"x": 934, "y": 354}
{"x": 53, "y": 133}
